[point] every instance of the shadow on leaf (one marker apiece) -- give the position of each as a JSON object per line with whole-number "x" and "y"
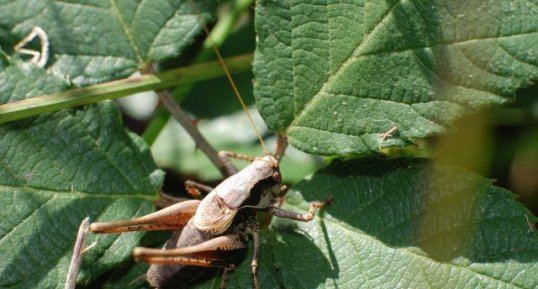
{"x": 406, "y": 218}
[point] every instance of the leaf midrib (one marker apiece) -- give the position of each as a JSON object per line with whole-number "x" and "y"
{"x": 345, "y": 63}
{"x": 76, "y": 194}
{"x": 127, "y": 30}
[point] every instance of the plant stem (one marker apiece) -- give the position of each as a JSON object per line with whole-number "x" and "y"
{"x": 171, "y": 105}
{"x": 218, "y": 35}
{"x": 119, "y": 88}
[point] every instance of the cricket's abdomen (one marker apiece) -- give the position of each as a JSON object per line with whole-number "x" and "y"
{"x": 177, "y": 276}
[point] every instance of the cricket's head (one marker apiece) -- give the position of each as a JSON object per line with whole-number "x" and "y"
{"x": 268, "y": 183}
{"x": 255, "y": 186}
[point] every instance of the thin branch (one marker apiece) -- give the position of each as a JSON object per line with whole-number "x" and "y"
{"x": 171, "y": 105}
{"x": 218, "y": 35}
{"x": 281, "y": 145}
{"x": 119, "y": 88}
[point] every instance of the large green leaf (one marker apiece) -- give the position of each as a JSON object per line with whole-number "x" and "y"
{"x": 57, "y": 169}
{"x": 334, "y": 76}
{"x": 95, "y": 41}
{"x": 398, "y": 224}
{"x": 392, "y": 223}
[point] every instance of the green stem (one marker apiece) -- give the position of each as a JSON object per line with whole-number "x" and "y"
{"x": 119, "y": 88}
{"x": 218, "y": 35}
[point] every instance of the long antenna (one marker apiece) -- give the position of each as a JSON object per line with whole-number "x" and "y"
{"x": 229, "y": 76}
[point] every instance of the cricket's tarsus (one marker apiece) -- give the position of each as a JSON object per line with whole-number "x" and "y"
{"x": 213, "y": 232}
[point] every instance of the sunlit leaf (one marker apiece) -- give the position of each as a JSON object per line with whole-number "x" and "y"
{"x": 57, "y": 169}
{"x": 96, "y": 41}
{"x": 336, "y": 76}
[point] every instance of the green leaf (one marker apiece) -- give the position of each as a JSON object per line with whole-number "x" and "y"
{"x": 103, "y": 40}
{"x": 128, "y": 279}
{"x": 57, "y": 169}
{"x": 335, "y": 76}
{"x": 19, "y": 82}
{"x": 398, "y": 224}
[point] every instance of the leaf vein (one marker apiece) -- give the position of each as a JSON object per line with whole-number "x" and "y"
{"x": 360, "y": 261}
{"x": 26, "y": 218}
{"x": 43, "y": 150}
{"x": 77, "y": 194}
{"x": 526, "y": 62}
{"x": 448, "y": 43}
{"x": 422, "y": 257}
{"x": 126, "y": 29}
{"x": 10, "y": 171}
{"x": 438, "y": 77}
{"x": 105, "y": 153}
{"x": 484, "y": 69}
{"x": 348, "y": 60}
{"x": 172, "y": 16}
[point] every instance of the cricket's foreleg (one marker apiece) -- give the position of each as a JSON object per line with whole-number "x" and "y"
{"x": 170, "y": 218}
{"x": 194, "y": 188}
{"x": 229, "y": 154}
{"x": 226, "y": 155}
{"x": 276, "y": 211}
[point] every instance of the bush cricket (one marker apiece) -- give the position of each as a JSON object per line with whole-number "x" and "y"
{"x": 213, "y": 232}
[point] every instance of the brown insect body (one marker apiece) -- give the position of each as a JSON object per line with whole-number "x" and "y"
{"x": 212, "y": 232}
{"x": 225, "y": 211}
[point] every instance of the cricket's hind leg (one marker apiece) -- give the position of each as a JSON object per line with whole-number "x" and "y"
{"x": 217, "y": 252}
{"x": 170, "y": 218}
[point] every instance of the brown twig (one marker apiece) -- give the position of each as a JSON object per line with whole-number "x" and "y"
{"x": 170, "y": 104}
{"x": 281, "y": 145}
